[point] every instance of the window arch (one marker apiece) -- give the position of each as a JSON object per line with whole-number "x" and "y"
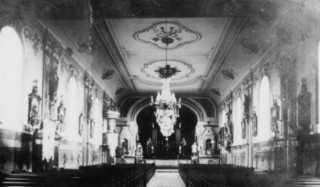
{"x": 264, "y": 127}
{"x": 11, "y": 71}
{"x": 237, "y": 126}
{"x": 72, "y": 110}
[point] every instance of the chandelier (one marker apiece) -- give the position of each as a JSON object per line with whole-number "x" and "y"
{"x": 166, "y": 104}
{"x": 167, "y": 109}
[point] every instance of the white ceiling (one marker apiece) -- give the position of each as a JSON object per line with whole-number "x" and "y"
{"x": 192, "y": 51}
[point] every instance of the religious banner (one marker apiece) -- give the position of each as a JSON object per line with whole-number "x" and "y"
{"x": 49, "y": 128}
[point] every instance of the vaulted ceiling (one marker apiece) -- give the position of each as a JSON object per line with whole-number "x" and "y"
{"x": 143, "y": 49}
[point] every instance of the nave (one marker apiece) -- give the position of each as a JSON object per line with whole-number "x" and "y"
{"x": 166, "y": 178}
{"x": 150, "y": 175}
{"x": 107, "y": 92}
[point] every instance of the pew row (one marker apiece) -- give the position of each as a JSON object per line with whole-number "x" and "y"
{"x": 126, "y": 175}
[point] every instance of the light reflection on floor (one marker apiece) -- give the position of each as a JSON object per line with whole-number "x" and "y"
{"x": 170, "y": 178}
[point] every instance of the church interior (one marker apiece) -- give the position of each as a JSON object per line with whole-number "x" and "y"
{"x": 142, "y": 92}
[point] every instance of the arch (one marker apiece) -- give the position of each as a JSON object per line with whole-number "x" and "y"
{"x": 11, "y": 73}
{"x": 72, "y": 110}
{"x": 145, "y": 102}
{"x": 264, "y": 127}
{"x": 238, "y": 119}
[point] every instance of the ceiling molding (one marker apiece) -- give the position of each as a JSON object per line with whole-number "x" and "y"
{"x": 111, "y": 48}
{"x": 225, "y": 45}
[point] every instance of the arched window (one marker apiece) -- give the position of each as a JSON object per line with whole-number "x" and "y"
{"x": 319, "y": 88}
{"x": 98, "y": 122}
{"x": 72, "y": 110}
{"x": 237, "y": 125}
{"x": 264, "y": 127}
{"x": 11, "y": 70}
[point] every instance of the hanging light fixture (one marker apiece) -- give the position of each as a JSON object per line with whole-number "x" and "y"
{"x": 166, "y": 104}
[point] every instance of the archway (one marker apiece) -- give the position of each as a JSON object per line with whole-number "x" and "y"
{"x": 162, "y": 149}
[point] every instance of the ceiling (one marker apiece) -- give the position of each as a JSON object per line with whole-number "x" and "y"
{"x": 195, "y": 42}
{"x": 212, "y": 43}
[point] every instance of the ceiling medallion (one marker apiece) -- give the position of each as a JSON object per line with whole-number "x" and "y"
{"x": 150, "y": 69}
{"x": 107, "y": 74}
{"x": 167, "y": 35}
{"x": 167, "y": 71}
{"x": 228, "y": 74}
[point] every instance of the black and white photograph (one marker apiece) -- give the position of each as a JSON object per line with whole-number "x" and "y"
{"x": 160, "y": 93}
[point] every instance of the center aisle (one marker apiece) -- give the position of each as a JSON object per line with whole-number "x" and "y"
{"x": 166, "y": 178}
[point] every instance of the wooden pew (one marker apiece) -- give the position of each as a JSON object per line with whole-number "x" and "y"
{"x": 126, "y": 175}
{"x": 215, "y": 175}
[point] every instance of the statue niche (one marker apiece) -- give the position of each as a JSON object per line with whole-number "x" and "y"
{"x": 304, "y": 108}
{"x": 34, "y": 105}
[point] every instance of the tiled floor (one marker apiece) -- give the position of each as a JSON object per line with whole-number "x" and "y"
{"x": 166, "y": 179}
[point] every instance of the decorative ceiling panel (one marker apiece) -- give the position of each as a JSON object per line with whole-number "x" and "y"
{"x": 167, "y": 35}
{"x": 191, "y": 45}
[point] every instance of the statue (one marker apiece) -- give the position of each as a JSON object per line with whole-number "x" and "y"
{"x": 209, "y": 143}
{"x": 194, "y": 148}
{"x": 119, "y": 152}
{"x": 228, "y": 128}
{"x": 275, "y": 109}
{"x": 254, "y": 120}
{"x": 243, "y": 126}
{"x": 34, "y": 102}
{"x": 125, "y": 146}
{"x": 139, "y": 149}
{"x": 149, "y": 146}
{"x": 90, "y": 107}
{"x": 61, "y": 112}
